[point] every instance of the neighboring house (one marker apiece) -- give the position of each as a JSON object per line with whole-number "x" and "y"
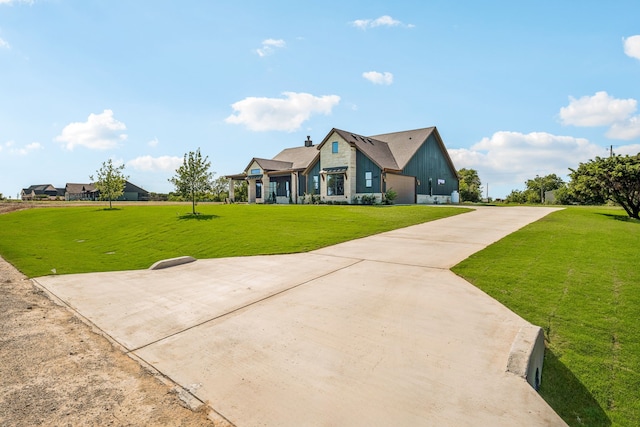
{"x": 133, "y": 193}
{"x": 40, "y": 192}
{"x": 81, "y": 192}
{"x": 90, "y": 192}
{"x": 346, "y": 166}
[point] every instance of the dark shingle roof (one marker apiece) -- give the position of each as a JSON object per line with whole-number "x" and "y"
{"x": 272, "y": 165}
{"x": 378, "y": 151}
{"x": 131, "y": 188}
{"x": 404, "y": 144}
{"x": 300, "y": 157}
{"x": 72, "y": 188}
{"x": 41, "y": 188}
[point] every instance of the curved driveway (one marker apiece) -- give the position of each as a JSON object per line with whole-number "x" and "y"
{"x": 375, "y": 331}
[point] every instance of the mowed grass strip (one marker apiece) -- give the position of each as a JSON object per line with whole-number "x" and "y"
{"x": 575, "y": 273}
{"x": 91, "y": 239}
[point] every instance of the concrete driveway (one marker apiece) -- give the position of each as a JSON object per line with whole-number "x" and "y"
{"x": 375, "y": 331}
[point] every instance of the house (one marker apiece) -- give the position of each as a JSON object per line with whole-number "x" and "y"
{"x": 81, "y": 192}
{"x": 90, "y": 192}
{"x": 40, "y": 192}
{"x": 133, "y": 193}
{"x": 346, "y": 166}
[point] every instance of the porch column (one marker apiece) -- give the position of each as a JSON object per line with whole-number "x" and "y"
{"x": 294, "y": 187}
{"x": 232, "y": 193}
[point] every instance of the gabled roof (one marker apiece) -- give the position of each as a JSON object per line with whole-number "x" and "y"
{"x": 41, "y": 188}
{"x": 392, "y": 151}
{"x": 405, "y": 144}
{"x": 289, "y": 159}
{"x": 268, "y": 165}
{"x": 131, "y": 188}
{"x": 300, "y": 157}
{"x": 376, "y": 150}
{"x": 79, "y": 188}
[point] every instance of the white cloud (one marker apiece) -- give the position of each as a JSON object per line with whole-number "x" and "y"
{"x": 383, "y": 21}
{"x": 269, "y": 46}
{"x": 4, "y": 44}
{"x": 377, "y": 78}
{"x": 153, "y": 143}
{"x": 626, "y": 130}
{"x": 10, "y": 2}
{"x": 513, "y": 157}
{"x": 632, "y": 46}
{"x": 266, "y": 114}
{"x": 597, "y": 110}
{"x": 21, "y": 151}
{"x": 632, "y": 149}
{"x": 99, "y": 132}
{"x": 153, "y": 164}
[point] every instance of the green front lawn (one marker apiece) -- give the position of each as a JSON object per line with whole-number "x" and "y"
{"x": 87, "y": 239}
{"x": 575, "y": 273}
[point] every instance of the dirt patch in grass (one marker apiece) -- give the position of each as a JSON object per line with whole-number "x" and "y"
{"x": 55, "y": 371}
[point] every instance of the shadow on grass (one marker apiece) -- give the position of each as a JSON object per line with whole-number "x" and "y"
{"x": 108, "y": 209}
{"x": 623, "y": 218}
{"x": 196, "y": 217}
{"x": 568, "y": 396}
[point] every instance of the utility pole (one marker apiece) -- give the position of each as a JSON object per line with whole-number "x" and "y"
{"x": 611, "y": 151}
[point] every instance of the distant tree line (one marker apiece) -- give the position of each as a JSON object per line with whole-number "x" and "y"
{"x": 614, "y": 179}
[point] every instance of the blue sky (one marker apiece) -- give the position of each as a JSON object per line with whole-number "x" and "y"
{"x": 516, "y": 89}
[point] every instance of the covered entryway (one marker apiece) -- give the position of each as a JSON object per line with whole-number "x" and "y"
{"x": 405, "y": 186}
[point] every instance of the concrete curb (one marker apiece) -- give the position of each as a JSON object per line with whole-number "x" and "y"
{"x": 527, "y": 355}
{"x": 171, "y": 262}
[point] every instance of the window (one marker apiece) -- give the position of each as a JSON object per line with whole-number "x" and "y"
{"x": 368, "y": 179}
{"x": 316, "y": 185}
{"x": 258, "y": 190}
{"x": 335, "y": 184}
{"x": 334, "y": 147}
{"x": 255, "y": 171}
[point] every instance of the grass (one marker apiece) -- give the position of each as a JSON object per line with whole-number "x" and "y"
{"x": 91, "y": 238}
{"x": 575, "y": 273}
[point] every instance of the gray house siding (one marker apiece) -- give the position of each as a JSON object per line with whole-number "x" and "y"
{"x": 429, "y": 162}
{"x": 364, "y": 165}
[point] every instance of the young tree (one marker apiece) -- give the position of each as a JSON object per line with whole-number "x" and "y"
{"x": 110, "y": 181}
{"x": 470, "y": 185}
{"x": 193, "y": 179}
{"x": 615, "y": 178}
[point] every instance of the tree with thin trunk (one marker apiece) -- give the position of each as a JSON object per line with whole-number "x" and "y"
{"x": 110, "y": 181}
{"x": 193, "y": 179}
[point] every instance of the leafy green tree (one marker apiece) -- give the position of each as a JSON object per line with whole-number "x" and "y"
{"x": 193, "y": 179}
{"x": 110, "y": 181}
{"x": 516, "y": 196}
{"x": 470, "y": 185}
{"x": 615, "y": 178}
{"x": 220, "y": 188}
{"x": 241, "y": 191}
{"x": 537, "y": 186}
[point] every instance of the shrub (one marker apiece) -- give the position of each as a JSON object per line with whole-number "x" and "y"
{"x": 390, "y": 196}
